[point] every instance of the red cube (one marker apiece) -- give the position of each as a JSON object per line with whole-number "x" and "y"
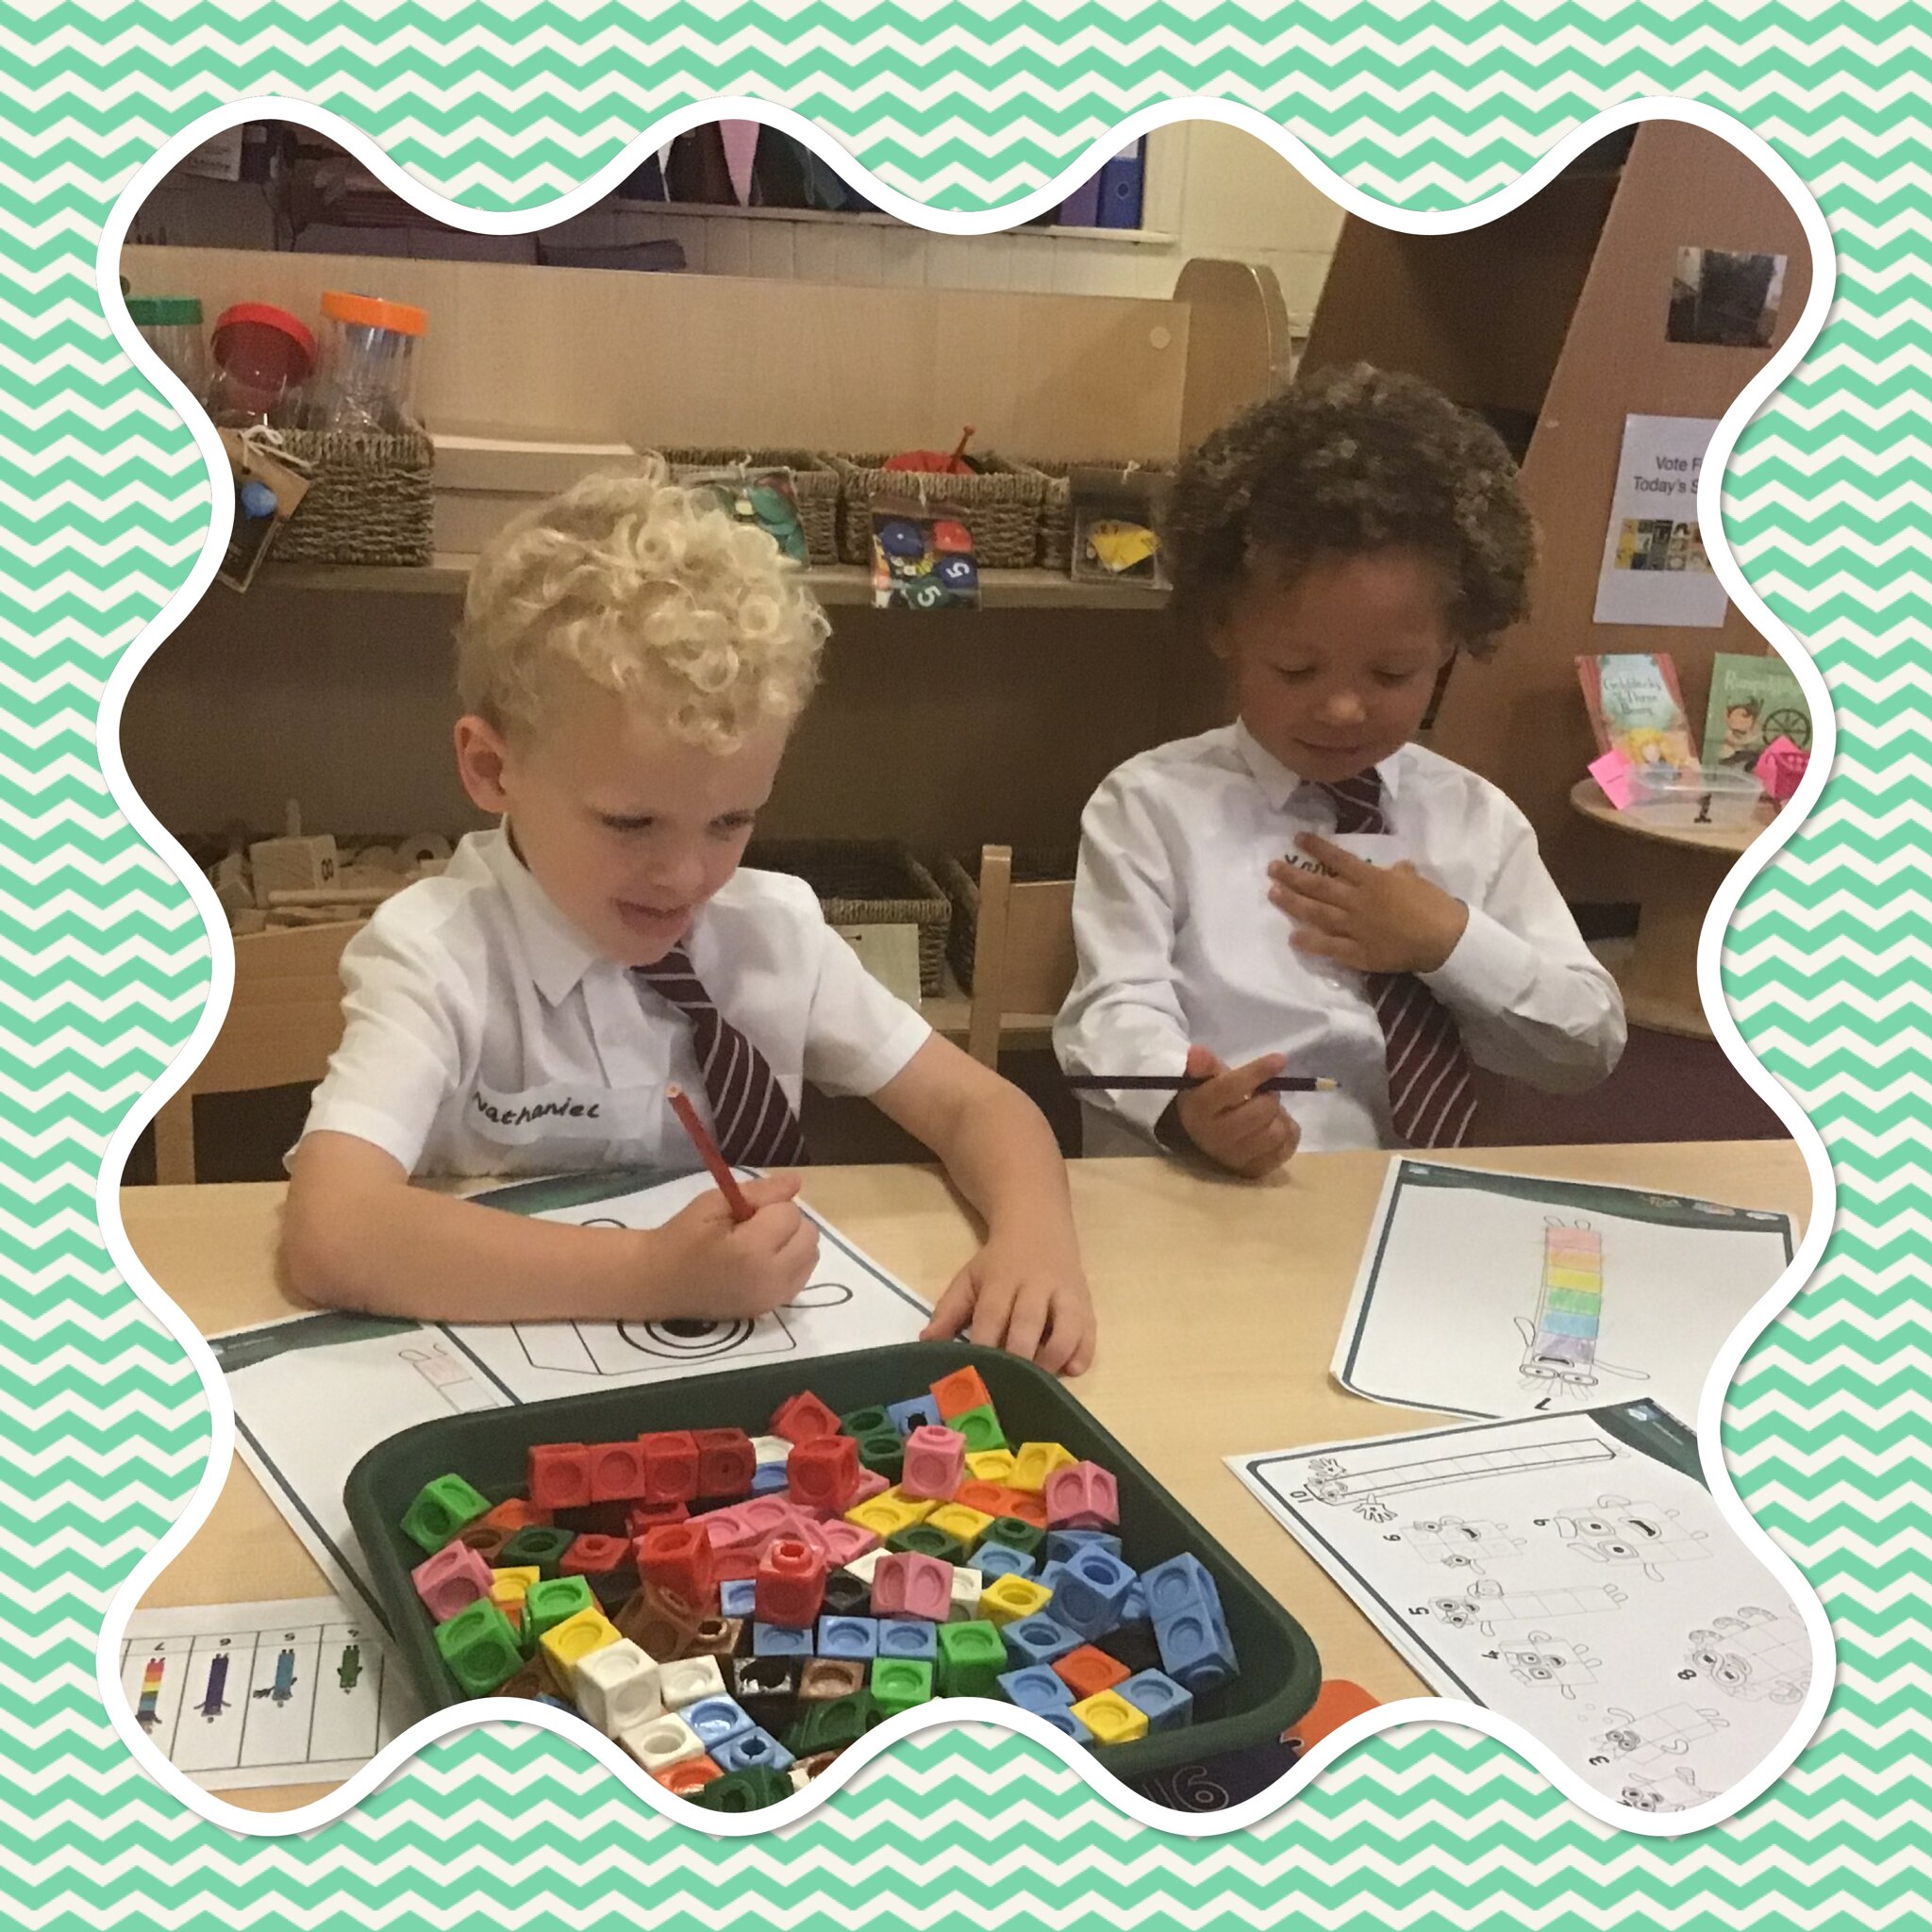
{"x": 671, "y": 1466}
{"x": 560, "y": 1475}
{"x": 958, "y": 1392}
{"x": 726, "y": 1463}
{"x": 824, "y": 1472}
{"x": 675, "y": 1558}
{"x": 617, "y": 1473}
{"x": 595, "y": 1555}
{"x": 643, "y": 1516}
{"x": 803, "y": 1418}
{"x": 791, "y": 1584}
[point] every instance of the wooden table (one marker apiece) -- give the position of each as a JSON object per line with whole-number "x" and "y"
{"x": 1658, "y": 980}
{"x": 1220, "y": 1304}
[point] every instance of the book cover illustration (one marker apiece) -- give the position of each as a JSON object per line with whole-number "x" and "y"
{"x": 1754, "y": 702}
{"x": 1636, "y": 708}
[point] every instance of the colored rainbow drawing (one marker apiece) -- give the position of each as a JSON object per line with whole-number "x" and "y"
{"x": 1559, "y": 1346}
{"x": 146, "y": 1713}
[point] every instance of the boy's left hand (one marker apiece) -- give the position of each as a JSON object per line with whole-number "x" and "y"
{"x": 1372, "y": 918}
{"x": 1031, "y": 1304}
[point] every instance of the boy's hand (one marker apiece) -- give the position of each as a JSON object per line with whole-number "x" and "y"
{"x": 1372, "y": 918}
{"x": 1012, "y": 1296}
{"x": 710, "y": 1267}
{"x": 1249, "y": 1133}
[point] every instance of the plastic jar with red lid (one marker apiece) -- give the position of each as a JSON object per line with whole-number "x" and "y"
{"x": 263, "y": 357}
{"x": 366, "y": 381}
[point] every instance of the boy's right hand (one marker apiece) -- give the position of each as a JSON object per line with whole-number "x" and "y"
{"x": 1249, "y": 1133}
{"x": 709, "y": 1266}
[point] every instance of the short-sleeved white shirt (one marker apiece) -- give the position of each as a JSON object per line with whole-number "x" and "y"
{"x": 484, "y": 1035}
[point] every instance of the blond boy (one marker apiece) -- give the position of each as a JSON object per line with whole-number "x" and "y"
{"x": 631, "y": 664}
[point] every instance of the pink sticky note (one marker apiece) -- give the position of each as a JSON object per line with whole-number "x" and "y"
{"x": 1612, "y": 772}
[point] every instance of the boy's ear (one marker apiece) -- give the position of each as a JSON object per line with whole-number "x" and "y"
{"x": 481, "y": 758}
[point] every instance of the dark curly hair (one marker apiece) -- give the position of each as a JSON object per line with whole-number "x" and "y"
{"x": 1349, "y": 460}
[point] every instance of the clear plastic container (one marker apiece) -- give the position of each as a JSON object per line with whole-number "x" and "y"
{"x": 171, "y": 325}
{"x": 262, "y": 356}
{"x": 366, "y": 381}
{"x": 1695, "y": 796}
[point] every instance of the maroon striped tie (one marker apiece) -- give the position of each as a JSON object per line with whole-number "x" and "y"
{"x": 1431, "y": 1095}
{"x": 750, "y": 1116}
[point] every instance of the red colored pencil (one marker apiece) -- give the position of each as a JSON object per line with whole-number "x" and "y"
{"x": 741, "y": 1210}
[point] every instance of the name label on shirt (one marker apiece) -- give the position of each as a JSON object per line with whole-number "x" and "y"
{"x": 561, "y": 1110}
{"x": 1377, "y": 848}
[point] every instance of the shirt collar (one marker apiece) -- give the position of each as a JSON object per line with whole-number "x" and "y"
{"x": 1279, "y": 783}
{"x": 559, "y": 954}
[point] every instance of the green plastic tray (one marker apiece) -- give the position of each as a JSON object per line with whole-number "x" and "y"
{"x": 1280, "y": 1671}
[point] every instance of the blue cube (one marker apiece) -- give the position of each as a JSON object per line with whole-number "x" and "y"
{"x": 848, "y": 1636}
{"x": 1050, "y": 1574}
{"x": 1089, "y": 1595}
{"x": 1134, "y": 1610}
{"x": 774, "y": 1639}
{"x": 751, "y": 1749}
{"x": 715, "y": 1719}
{"x": 920, "y": 1412}
{"x": 1167, "y": 1705}
{"x": 909, "y": 1639}
{"x": 1195, "y": 1649}
{"x": 1062, "y": 1543}
{"x": 1175, "y": 1584}
{"x": 1038, "y": 1639}
{"x": 997, "y": 1559}
{"x": 737, "y": 1598}
{"x": 1036, "y": 1687}
{"x": 1062, "y": 1719}
{"x": 768, "y": 1477}
{"x": 554, "y": 1703}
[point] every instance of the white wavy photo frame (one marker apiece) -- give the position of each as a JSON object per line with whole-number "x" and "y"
{"x": 221, "y": 964}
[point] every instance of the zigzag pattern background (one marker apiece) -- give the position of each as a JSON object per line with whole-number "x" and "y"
{"x": 966, "y": 106}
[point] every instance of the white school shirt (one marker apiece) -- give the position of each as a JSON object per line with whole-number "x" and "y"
{"x": 1179, "y": 943}
{"x": 485, "y": 1036}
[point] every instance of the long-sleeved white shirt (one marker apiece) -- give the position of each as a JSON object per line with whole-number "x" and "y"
{"x": 1179, "y": 943}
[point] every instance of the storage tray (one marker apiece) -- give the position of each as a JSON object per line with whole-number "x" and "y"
{"x": 1278, "y": 1670}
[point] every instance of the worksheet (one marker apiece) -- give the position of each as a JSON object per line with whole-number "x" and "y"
{"x": 314, "y": 1392}
{"x": 1497, "y": 1294}
{"x": 1570, "y": 1573}
{"x": 293, "y": 1692}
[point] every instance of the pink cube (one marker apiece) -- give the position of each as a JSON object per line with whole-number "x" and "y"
{"x": 845, "y": 1541}
{"x": 451, "y": 1580}
{"x": 913, "y": 1586}
{"x": 935, "y": 1462}
{"x": 763, "y": 1515}
{"x": 1084, "y": 1496}
{"x": 870, "y": 1484}
{"x": 725, "y": 1527}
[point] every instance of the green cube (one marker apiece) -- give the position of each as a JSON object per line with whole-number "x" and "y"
{"x": 866, "y": 1422}
{"x": 537, "y": 1548}
{"x": 832, "y": 1725}
{"x": 750, "y": 1789}
{"x": 443, "y": 1507}
{"x": 982, "y": 1429}
{"x": 971, "y": 1656}
{"x": 1015, "y": 1532}
{"x": 922, "y": 1539}
{"x": 550, "y": 1602}
{"x": 480, "y": 1648}
{"x": 883, "y": 1451}
{"x": 898, "y": 1683}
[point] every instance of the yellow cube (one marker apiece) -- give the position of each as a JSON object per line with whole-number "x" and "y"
{"x": 968, "y": 1525}
{"x": 921, "y": 1506}
{"x": 513, "y": 1585}
{"x": 575, "y": 1638}
{"x": 883, "y": 1516}
{"x": 991, "y": 1466}
{"x": 1112, "y": 1718}
{"x": 1007, "y": 1599}
{"x": 1035, "y": 1461}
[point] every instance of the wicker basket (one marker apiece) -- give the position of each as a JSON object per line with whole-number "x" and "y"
{"x": 961, "y": 886}
{"x": 1055, "y": 551}
{"x": 814, "y": 481}
{"x": 369, "y": 501}
{"x": 1001, "y": 508}
{"x": 869, "y": 882}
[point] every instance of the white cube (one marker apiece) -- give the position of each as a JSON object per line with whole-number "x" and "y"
{"x": 688, "y": 1679}
{"x": 770, "y": 1449}
{"x": 617, "y": 1687}
{"x": 967, "y": 1585}
{"x": 661, "y": 1742}
{"x": 862, "y": 1567}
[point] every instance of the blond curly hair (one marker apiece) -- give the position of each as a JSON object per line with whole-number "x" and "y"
{"x": 650, "y": 592}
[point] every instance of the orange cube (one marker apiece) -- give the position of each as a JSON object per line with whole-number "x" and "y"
{"x": 514, "y": 1515}
{"x": 688, "y": 1775}
{"x": 1088, "y": 1672}
{"x": 958, "y": 1392}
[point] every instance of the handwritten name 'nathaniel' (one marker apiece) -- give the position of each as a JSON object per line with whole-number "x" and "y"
{"x": 537, "y": 1110}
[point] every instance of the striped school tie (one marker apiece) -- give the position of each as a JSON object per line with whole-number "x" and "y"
{"x": 1431, "y": 1095}
{"x": 752, "y": 1119}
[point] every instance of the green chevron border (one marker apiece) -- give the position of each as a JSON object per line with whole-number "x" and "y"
{"x": 967, "y": 109}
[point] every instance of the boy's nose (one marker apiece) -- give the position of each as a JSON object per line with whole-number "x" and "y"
{"x": 1343, "y": 707}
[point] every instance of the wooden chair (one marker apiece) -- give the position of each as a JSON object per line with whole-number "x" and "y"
{"x": 1022, "y": 953}
{"x": 283, "y": 1023}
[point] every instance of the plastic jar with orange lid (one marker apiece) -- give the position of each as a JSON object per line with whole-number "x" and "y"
{"x": 367, "y": 376}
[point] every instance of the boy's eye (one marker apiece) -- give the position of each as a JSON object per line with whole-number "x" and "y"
{"x": 732, "y": 823}
{"x": 1294, "y": 674}
{"x": 617, "y": 822}
{"x": 1393, "y": 678}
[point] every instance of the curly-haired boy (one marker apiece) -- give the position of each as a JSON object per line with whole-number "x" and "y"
{"x": 1306, "y": 889}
